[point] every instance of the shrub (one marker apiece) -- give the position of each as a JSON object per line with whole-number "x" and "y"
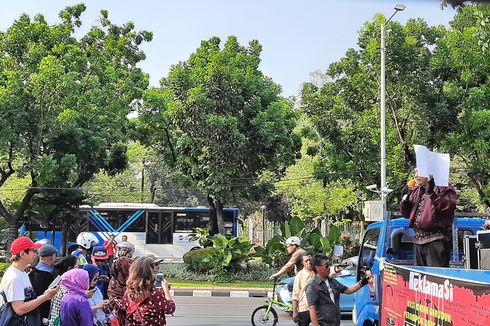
{"x": 202, "y": 260}
{"x": 312, "y": 241}
{"x": 250, "y": 272}
{"x": 3, "y": 267}
{"x": 232, "y": 252}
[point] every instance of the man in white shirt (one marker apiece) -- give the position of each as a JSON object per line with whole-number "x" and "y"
{"x": 16, "y": 285}
{"x": 301, "y": 313}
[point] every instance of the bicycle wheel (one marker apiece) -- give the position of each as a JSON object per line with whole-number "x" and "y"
{"x": 261, "y": 317}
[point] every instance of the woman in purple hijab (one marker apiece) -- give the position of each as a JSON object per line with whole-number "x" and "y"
{"x": 75, "y": 308}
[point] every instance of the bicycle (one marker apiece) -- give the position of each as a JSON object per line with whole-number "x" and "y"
{"x": 266, "y": 314}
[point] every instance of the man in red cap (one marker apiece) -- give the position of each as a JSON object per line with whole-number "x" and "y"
{"x": 17, "y": 286}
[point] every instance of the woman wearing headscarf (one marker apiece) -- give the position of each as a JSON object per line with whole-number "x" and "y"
{"x": 143, "y": 304}
{"x": 96, "y": 298}
{"x": 75, "y": 308}
{"x": 67, "y": 263}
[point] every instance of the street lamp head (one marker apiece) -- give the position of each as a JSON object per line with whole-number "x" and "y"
{"x": 399, "y": 7}
{"x": 263, "y": 207}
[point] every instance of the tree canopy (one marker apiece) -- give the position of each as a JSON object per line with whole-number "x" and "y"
{"x": 437, "y": 94}
{"x": 220, "y": 122}
{"x": 64, "y": 102}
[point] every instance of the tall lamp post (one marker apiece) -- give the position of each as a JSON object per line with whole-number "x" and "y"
{"x": 384, "y": 190}
{"x": 263, "y": 207}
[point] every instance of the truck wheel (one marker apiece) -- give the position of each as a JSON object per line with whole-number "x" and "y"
{"x": 261, "y": 317}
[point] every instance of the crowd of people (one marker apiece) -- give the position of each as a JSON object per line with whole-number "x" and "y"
{"x": 94, "y": 285}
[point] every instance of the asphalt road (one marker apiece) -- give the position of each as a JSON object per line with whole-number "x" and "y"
{"x": 221, "y": 311}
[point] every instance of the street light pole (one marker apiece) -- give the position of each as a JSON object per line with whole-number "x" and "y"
{"x": 384, "y": 191}
{"x": 263, "y": 207}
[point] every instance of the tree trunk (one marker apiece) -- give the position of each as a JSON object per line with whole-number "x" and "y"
{"x": 220, "y": 216}
{"x": 13, "y": 219}
{"x": 212, "y": 217}
{"x": 64, "y": 238}
{"x": 13, "y": 233}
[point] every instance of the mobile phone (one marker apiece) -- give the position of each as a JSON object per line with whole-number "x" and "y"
{"x": 55, "y": 282}
{"x": 158, "y": 280}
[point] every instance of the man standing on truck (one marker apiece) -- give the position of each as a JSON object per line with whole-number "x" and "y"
{"x": 296, "y": 260}
{"x": 430, "y": 210}
{"x": 323, "y": 293}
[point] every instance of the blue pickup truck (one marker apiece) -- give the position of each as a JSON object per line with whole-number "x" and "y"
{"x": 403, "y": 294}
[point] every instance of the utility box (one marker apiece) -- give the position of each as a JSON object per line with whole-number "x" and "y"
{"x": 373, "y": 210}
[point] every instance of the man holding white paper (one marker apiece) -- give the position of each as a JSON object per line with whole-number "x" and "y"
{"x": 430, "y": 208}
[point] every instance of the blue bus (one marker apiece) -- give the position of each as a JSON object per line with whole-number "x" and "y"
{"x": 152, "y": 229}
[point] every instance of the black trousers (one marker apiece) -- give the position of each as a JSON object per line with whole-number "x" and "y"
{"x": 304, "y": 318}
{"x": 432, "y": 254}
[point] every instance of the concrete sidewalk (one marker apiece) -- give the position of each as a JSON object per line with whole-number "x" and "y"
{"x": 221, "y": 292}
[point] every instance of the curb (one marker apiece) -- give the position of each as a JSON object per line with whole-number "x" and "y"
{"x": 232, "y": 293}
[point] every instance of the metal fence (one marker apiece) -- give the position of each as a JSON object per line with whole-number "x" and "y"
{"x": 260, "y": 231}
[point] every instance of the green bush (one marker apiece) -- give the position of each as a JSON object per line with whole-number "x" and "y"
{"x": 250, "y": 272}
{"x": 232, "y": 252}
{"x": 274, "y": 252}
{"x": 202, "y": 260}
{"x": 4, "y": 266}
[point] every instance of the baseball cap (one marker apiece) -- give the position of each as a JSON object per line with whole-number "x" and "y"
{"x": 156, "y": 261}
{"x": 293, "y": 241}
{"x": 47, "y": 250}
{"x": 99, "y": 253}
{"x": 23, "y": 243}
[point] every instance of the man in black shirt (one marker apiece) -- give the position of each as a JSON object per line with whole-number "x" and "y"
{"x": 42, "y": 275}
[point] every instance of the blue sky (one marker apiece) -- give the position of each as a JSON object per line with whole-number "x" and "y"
{"x": 298, "y": 37}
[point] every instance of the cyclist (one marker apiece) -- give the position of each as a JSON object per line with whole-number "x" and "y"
{"x": 296, "y": 260}
{"x": 85, "y": 242}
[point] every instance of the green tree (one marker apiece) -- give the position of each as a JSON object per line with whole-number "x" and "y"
{"x": 64, "y": 102}
{"x": 220, "y": 122}
{"x": 462, "y": 60}
{"x": 345, "y": 108}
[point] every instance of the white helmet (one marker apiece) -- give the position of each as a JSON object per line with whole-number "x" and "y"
{"x": 293, "y": 241}
{"x": 86, "y": 240}
{"x": 127, "y": 246}
{"x": 44, "y": 241}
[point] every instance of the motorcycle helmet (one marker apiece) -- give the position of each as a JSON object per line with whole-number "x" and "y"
{"x": 293, "y": 241}
{"x": 125, "y": 246}
{"x": 87, "y": 240}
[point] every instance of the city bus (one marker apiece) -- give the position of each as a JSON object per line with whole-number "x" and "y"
{"x": 152, "y": 229}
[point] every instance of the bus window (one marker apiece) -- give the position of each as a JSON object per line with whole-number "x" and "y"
{"x": 189, "y": 221}
{"x": 111, "y": 217}
{"x": 159, "y": 228}
{"x": 137, "y": 225}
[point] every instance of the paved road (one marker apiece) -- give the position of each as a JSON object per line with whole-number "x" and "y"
{"x": 221, "y": 311}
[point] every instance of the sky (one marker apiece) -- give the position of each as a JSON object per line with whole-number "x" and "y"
{"x": 298, "y": 37}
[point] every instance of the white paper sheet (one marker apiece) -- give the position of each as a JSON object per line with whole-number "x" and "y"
{"x": 432, "y": 163}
